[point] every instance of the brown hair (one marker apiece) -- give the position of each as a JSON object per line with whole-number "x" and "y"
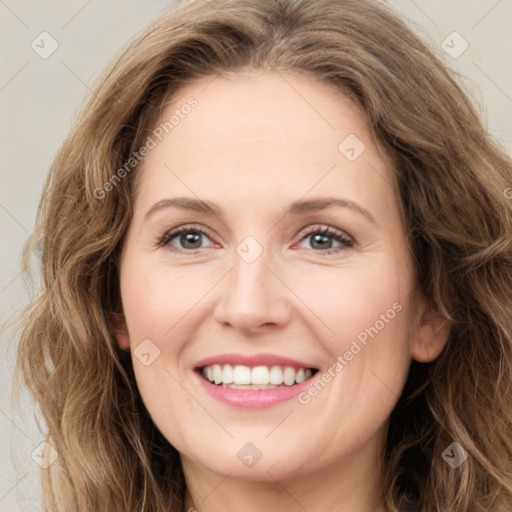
{"x": 451, "y": 180}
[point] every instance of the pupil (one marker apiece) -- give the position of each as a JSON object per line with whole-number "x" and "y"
{"x": 191, "y": 240}
{"x": 321, "y": 242}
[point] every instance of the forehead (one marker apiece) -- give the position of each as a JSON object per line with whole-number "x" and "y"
{"x": 273, "y": 134}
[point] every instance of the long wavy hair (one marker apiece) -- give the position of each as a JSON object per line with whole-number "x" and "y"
{"x": 451, "y": 181}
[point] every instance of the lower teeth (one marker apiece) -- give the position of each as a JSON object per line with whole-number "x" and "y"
{"x": 252, "y": 386}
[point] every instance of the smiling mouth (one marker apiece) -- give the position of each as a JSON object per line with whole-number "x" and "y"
{"x": 255, "y": 377}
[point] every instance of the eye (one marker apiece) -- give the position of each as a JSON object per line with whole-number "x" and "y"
{"x": 187, "y": 238}
{"x": 326, "y": 239}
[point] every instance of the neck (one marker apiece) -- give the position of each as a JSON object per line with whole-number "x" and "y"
{"x": 353, "y": 486}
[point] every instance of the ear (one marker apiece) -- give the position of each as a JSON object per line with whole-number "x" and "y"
{"x": 431, "y": 333}
{"x": 120, "y": 331}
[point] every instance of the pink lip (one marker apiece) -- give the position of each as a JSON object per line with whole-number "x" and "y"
{"x": 253, "y": 398}
{"x": 252, "y": 360}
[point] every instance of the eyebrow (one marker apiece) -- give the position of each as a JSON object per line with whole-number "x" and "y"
{"x": 296, "y": 208}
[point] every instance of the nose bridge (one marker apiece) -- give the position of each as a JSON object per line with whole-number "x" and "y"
{"x": 252, "y": 296}
{"x": 250, "y": 279}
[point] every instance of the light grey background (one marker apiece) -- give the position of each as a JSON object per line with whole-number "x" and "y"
{"x": 40, "y": 97}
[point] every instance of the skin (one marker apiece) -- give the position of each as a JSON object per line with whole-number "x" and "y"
{"x": 255, "y": 144}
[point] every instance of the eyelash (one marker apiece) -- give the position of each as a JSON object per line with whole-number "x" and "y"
{"x": 337, "y": 235}
{"x": 170, "y": 235}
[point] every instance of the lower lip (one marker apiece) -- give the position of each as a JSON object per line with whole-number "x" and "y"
{"x": 253, "y": 398}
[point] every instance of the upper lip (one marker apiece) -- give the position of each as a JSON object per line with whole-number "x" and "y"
{"x": 252, "y": 360}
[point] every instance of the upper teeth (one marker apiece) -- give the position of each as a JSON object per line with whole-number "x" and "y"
{"x": 260, "y": 375}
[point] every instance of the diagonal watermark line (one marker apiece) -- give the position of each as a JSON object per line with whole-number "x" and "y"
{"x": 13, "y": 218}
{"x": 424, "y": 13}
{"x": 198, "y": 301}
{"x": 86, "y": 85}
{"x": 213, "y": 7}
{"x": 217, "y": 486}
{"x": 199, "y": 403}
{"x": 394, "y": 393}
{"x": 92, "y": 91}
{"x": 15, "y": 424}
{"x": 211, "y": 81}
{"x": 75, "y": 15}
{"x": 11, "y": 281}
{"x": 286, "y": 491}
{"x": 301, "y": 300}
{"x": 2, "y": 1}
{"x": 311, "y": 188}
{"x": 15, "y": 484}
{"x": 304, "y": 99}
{"x": 431, "y": 218}
{"x": 14, "y": 76}
{"x": 492, "y": 81}
{"x": 419, "y": 81}
{"x": 486, "y": 14}
{"x": 278, "y": 425}
{"x": 380, "y": 174}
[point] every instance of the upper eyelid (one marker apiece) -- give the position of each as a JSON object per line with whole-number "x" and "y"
{"x": 303, "y": 233}
{"x": 172, "y": 233}
{"x": 312, "y": 228}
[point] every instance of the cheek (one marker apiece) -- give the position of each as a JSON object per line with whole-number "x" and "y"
{"x": 355, "y": 301}
{"x": 160, "y": 305}
{"x": 363, "y": 381}
{"x": 365, "y": 314}
{"x": 157, "y": 299}
{"x": 171, "y": 408}
{"x": 163, "y": 307}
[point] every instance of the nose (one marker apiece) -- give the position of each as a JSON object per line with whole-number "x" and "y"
{"x": 253, "y": 300}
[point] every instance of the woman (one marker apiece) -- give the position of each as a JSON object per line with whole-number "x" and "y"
{"x": 277, "y": 269}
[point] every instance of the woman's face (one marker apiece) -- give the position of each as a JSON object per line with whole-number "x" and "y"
{"x": 266, "y": 239}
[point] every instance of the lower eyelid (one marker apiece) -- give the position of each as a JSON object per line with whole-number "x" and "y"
{"x": 345, "y": 241}
{"x": 343, "y": 244}
{"x": 165, "y": 240}
{"x": 335, "y": 234}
